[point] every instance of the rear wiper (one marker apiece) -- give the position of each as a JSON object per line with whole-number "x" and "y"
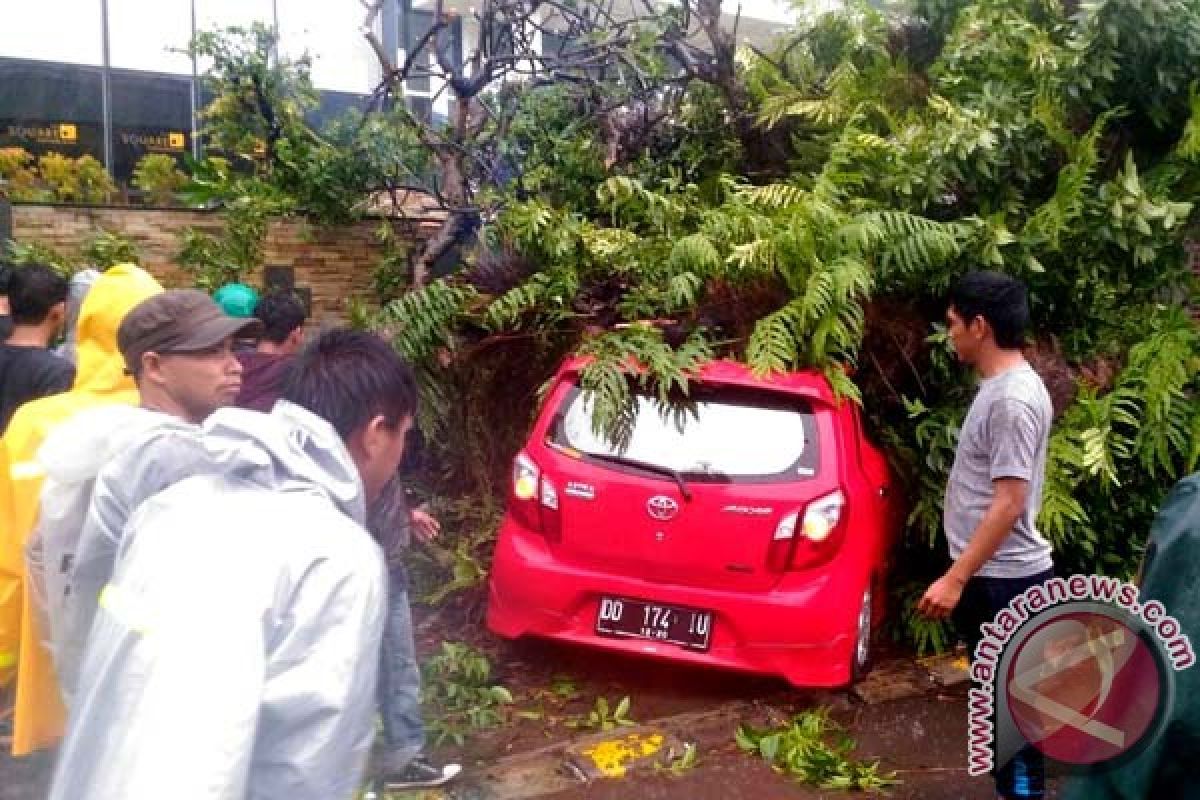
{"x": 656, "y": 468}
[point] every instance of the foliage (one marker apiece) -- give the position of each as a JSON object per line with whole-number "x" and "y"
{"x": 603, "y": 717}
{"x": 19, "y": 254}
{"x": 461, "y": 565}
{"x": 159, "y": 177}
{"x": 19, "y": 178}
{"x": 249, "y": 206}
{"x": 782, "y": 210}
{"x": 207, "y": 259}
{"x": 259, "y": 99}
{"x": 54, "y": 178}
{"x": 106, "y": 249}
{"x": 458, "y": 695}
{"x": 685, "y": 762}
{"x": 391, "y": 273}
{"x": 76, "y": 180}
{"x": 257, "y": 119}
{"x": 813, "y": 749}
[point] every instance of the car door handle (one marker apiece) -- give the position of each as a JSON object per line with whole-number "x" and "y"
{"x": 885, "y": 490}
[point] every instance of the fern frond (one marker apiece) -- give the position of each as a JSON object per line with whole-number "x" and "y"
{"x": 606, "y": 243}
{"x": 423, "y": 320}
{"x": 758, "y": 256}
{"x": 842, "y": 384}
{"x": 772, "y": 345}
{"x": 695, "y": 253}
{"x": 683, "y": 290}
{"x": 906, "y": 243}
{"x": 1188, "y": 147}
{"x": 1075, "y": 184}
{"x": 635, "y": 355}
{"x": 835, "y": 107}
{"x": 773, "y": 196}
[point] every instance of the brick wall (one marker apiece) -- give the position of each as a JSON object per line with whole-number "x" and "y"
{"x": 336, "y": 264}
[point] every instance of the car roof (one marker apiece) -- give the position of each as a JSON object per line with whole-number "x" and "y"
{"x": 808, "y": 383}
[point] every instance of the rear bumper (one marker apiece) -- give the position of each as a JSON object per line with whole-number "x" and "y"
{"x": 803, "y": 630}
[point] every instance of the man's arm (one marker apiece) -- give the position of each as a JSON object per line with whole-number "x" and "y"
{"x": 1007, "y": 505}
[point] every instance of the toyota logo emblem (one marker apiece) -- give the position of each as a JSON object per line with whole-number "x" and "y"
{"x": 661, "y": 507}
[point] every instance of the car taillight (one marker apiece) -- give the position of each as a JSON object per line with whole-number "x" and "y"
{"x": 822, "y": 517}
{"x": 805, "y": 541}
{"x": 534, "y": 500}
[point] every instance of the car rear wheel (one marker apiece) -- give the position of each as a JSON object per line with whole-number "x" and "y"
{"x": 862, "y": 641}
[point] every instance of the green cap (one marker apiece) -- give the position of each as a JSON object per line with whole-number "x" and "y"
{"x": 236, "y": 299}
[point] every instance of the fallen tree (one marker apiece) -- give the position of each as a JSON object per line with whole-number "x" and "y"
{"x": 653, "y": 194}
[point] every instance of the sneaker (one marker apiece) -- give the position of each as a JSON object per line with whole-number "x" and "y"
{"x": 420, "y": 774}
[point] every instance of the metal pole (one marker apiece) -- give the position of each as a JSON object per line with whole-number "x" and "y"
{"x": 194, "y": 92}
{"x": 275, "y": 22}
{"x": 404, "y": 9}
{"x": 106, "y": 89}
{"x": 6, "y": 221}
{"x": 396, "y": 32}
{"x": 391, "y": 29}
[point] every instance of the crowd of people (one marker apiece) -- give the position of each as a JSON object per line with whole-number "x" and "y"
{"x": 202, "y": 532}
{"x": 203, "y": 528}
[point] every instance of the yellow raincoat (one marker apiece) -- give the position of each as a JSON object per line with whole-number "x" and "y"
{"x": 100, "y": 379}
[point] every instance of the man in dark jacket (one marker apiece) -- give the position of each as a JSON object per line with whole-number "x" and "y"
{"x": 265, "y": 369}
{"x": 1164, "y": 768}
{"x": 37, "y": 296}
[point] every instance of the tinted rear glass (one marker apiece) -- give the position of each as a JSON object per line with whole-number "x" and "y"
{"x": 725, "y": 435}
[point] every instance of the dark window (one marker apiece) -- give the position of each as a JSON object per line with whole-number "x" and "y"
{"x": 728, "y": 434}
{"x": 51, "y": 108}
{"x": 554, "y": 44}
{"x": 419, "y": 23}
{"x": 421, "y": 107}
{"x": 334, "y": 105}
{"x": 151, "y": 113}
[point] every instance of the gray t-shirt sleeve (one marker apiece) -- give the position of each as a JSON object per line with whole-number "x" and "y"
{"x": 1015, "y": 438}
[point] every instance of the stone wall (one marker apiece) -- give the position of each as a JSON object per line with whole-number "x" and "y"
{"x": 336, "y": 264}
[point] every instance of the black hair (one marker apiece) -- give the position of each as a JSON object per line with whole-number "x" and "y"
{"x": 1000, "y": 299}
{"x": 5, "y": 275}
{"x": 349, "y": 377}
{"x": 280, "y": 312}
{"x": 33, "y": 290}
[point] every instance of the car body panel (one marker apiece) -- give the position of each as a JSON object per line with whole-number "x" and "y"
{"x": 625, "y": 533}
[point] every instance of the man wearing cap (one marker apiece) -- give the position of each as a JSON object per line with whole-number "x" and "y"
{"x": 236, "y": 300}
{"x": 179, "y": 348}
{"x": 235, "y": 645}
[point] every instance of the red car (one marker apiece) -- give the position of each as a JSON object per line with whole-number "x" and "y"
{"x": 751, "y": 533}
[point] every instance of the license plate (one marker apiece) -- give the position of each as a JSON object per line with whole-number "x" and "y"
{"x": 686, "y": 627}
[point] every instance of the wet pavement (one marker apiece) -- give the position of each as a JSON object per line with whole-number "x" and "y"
{"x": 906, "y": 715}
{"x": 24, "y": 778}
{"x": 921, "y": 738}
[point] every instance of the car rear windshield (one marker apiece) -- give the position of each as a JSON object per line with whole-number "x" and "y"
{"x": 724, "y": 434}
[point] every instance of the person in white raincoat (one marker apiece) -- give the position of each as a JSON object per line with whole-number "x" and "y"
{"x": 89, "y": 444}
{"x": 235, "y": 648}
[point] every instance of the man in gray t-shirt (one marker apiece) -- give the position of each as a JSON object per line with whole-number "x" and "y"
{"x": 995, "y": 486}
{"x": 1004, "y": 437}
